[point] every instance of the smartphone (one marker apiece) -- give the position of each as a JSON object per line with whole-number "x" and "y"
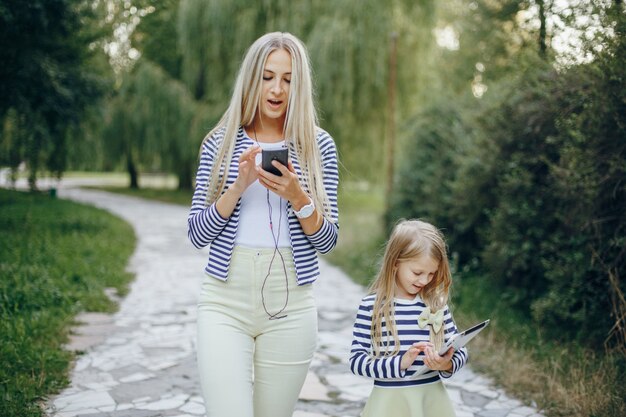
{"x": 280, "y": 155}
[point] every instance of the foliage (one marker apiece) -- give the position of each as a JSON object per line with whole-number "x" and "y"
{"x": 349, "y": 47}
{"x": 563, "y": 378}
{"x": 435, "y": 140}
{"x": 46, "y": 79}
{"x": 56, "y": 258}
{"x": 156, "y": 38}
{"x": 535, "y": 193}
{"x": 154, "y": 122}
{"x": 361, "y": 237}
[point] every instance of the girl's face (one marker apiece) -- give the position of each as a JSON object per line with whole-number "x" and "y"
{"x": 275, "y": 87}
{"x": 413, "y": 275}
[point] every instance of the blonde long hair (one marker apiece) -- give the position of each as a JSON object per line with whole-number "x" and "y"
{"x": 300, "y": 122}
{"x": 409, "y": 240}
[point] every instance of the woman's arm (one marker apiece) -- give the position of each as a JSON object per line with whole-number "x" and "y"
{"x": 324, "y": 236}
{"x": 204, "y": 224}
{"x": 319, "y": 231}
{"x": 246, "y": 175}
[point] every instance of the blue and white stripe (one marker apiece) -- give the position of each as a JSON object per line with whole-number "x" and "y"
{"x": 386, "y": 370}
{"x": 207, "y": 227}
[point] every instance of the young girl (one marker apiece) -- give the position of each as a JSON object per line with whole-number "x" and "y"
{"x": 403, "y": 323}
{"x": 257, "y": 320}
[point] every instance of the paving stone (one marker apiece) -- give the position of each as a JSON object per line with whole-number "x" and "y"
{"x": 84, "y": 400}
{"x": 525, "y": 411}
{"x": 305, "y": 414}
{"x": 193, "y": 408}
{"x": 313, "y": 389}
{"x": 138, "y": 376}
{"x": 165, "y": 404}
{"x": 493, "y": 413}
{"x": 473, "y": 399}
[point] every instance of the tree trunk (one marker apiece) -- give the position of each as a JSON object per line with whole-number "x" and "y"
{"x": 132, "y": 171}
{"x": 542, "y": 28}
{"x": 391, "y": 116}
{"x": 185, "y": 179}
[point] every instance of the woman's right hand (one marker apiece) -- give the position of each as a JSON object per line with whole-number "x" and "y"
{"x": 410, "y": 355}
{"x": 247, "y": 172}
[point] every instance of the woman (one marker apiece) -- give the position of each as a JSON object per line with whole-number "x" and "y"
{"x": 257, "y": 320}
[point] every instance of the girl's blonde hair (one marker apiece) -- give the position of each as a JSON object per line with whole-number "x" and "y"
{"x": 409, "y": 240}
{"x": 300, "y": 125}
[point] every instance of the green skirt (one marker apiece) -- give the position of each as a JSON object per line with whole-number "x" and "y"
{"x": 430, "y": 400}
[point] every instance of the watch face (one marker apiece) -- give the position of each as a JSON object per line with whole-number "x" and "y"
{"x": 306, "y": 211}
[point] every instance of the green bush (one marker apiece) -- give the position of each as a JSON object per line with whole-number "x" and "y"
{"x": 56, "y": 258}
{"x": 429, "y": 168}
{"x": 530, "y": 188}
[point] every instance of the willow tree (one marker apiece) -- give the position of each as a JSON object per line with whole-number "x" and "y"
{"x": 348, "y": 42}
{"x": 156, "y": 124}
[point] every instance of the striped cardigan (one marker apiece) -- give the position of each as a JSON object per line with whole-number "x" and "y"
{"x": 386, "y": 370}
{"x": 207, "y": 227}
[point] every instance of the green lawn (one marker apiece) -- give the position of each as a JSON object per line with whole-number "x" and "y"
{"x": 56, "y": 258}
{"x": 182, "y": 197}
{"x": 361, "y": 232}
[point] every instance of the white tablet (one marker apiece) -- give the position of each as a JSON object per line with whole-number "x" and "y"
{"x": 457, "y": 342}
{"x": 461, "y": 339}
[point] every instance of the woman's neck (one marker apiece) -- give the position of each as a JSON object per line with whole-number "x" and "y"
{"x": 265, "y": 130}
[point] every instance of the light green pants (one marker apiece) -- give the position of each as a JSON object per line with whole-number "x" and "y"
{"x": 251, "y": 366}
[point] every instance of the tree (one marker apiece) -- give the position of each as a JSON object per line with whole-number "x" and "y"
{"x": 156, "y": 38}
{"x": 46, "y": 80}
{"x": 154, "y": 122}
{"x": 349, "y": 49}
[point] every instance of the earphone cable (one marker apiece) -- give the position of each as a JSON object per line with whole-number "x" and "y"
{"x": 275, "y": 238}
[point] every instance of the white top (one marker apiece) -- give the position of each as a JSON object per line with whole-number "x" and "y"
{"x": 254, "y": 218}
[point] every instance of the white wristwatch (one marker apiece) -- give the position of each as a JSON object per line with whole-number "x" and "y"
{"x": 305, "y": 211}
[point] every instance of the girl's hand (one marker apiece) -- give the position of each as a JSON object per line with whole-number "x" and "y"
{"x": 247, "y": 172}
{"x": 436, "y": 362}
{"x": 410, "y": 355}
{"x": 287, "y": 186}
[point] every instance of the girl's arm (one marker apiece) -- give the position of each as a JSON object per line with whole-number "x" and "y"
{"x": 361, "y": 361}
{"x": 460, "y": 357}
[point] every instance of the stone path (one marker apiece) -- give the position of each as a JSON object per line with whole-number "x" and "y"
{"x": 140, "y": 362}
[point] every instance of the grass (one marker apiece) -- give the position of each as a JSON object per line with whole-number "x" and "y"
{"x": 361, "y": 235}
{"x": 182, "y": 197}
{"x": 563, "y": 379}
{"x": 560, "y": 379}
{"x": 56, "y": 259}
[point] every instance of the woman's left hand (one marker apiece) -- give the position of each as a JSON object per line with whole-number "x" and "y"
{"x": 436, "y": 362}
{"x": 287, "y": 186}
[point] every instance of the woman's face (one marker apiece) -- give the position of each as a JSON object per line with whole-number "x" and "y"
{"x": 275, "y": 87}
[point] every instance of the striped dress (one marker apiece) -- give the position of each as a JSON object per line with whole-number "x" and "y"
{"x": 386, "y": 371}
{"x": 207, "y": 227}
